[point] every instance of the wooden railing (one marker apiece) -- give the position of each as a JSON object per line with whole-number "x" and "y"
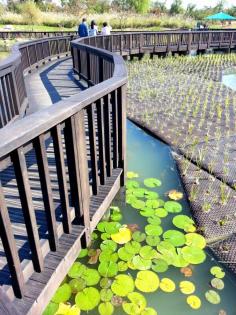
{"x": 34, "y": 34}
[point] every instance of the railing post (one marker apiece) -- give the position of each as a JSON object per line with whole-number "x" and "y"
{"x": 190, "y": 38}
{"x": 121, "y": 44}
{"x": 209, "y": 39}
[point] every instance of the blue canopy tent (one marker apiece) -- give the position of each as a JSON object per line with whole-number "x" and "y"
{"x": 221, "y": 17}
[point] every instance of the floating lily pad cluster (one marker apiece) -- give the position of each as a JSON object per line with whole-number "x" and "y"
{"x": 124, "y": 262}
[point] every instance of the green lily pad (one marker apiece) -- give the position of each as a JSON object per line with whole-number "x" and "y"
{"x": 87, "y": 299}
{"x": 166, "y": 246}
{"x": 147, "y": 252}
{"x": 217, "y": 284}
{"x": 122, "y": 285}
{"x": 138, "y": 236}
{"x": 138, "y": 303}
{"x": 76, "y": 270}
{"x": 108, "y": 245}
{"x": 218, "y": 272}
{"x": 122, "y": 266}
{"x": 108, "y": 255}
{"x": 173, "y": 206}
{"x": 153, "y": 204}
{"x": 159, "y": 265}
{"x": 130, "y": 198}
{"x": 193, "y": 255}
{"x": 124, "y": 255}
{"x": 62, "y": 294}
{"x": 105, "y": 283}
{"x": 132, "y": 184}
{"x": 175, "y": 237}
{"x": 148, "y": 311}
{"x": 154, "y": 220}
{"x": 101, "y": 226}
{"x": 161, "y": 212}
{"x": 132, "y": 247}
{"x": 91, "y": 276}
{"x": 151, "y": 194}
{"x": 141, "y": 263}
{"x": 147, "y": 281}
{"x": 152, "y": 240}
{"x": 83, "y": 253}
{"x": 184, "y": 222}
{"x": 195, "y": 240}
{"x": 116, "y": 217}
{"x": 154, "y": 230}
{"x": 108, "y": 269}
{"x": 139, "y": 192}
{"x": 179, "y": 261}
{"x": 138, "y": 204}
{"x": 152, "y": 182}
{"x": 77, "y": 285}
{"x": 106, "y": 295}
{"x": 212, "y": 297}
{"x": 51, "y": 309}
{"x": 94, "y": 236}
{"x": 112, "y": 227}
{"x": 147, "y": 212}
{"x": 106, "y": 308}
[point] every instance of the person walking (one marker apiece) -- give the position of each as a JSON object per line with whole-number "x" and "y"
{"x": 83, "y": 28}
{"x": 106, "y": 30}
{"x": 93, "y": 30}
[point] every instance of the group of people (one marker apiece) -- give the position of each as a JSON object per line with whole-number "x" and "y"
{"x": 92, "y": 30}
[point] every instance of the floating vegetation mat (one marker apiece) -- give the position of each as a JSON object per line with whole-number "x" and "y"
{"x": 159, "y": 257}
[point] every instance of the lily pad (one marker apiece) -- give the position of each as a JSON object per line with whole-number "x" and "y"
{"x": 152, "y": 182}
{"x": 83, "y": 253}
{"x": 141, "y": 263}
{"x": 106, "y": 295}
{"x": 152, "y": 240}
{"x": 149, "y": 311}
{"x": 153, "y": 204}
{"x": 77, "y": 285}
{"x": 146, "y": 212}
{"x": 218, "y": 272}
{"x": 51, "y": 309}
{"x": 105, "y": 236}
{"x": 67, "y": 309}
{"x": 184, "y": 222}
{"x": 138, "y": 236}
{"x": 123, "y": 236}
{"x": 151, "y": 194}
{"x": 194, "y": 302}
{"x": 161, "y": 212}
{"x": 91, "y": 276}
{"x": 159, "y": 265}
{"x": 105, "y": 283}
{"x": 147, "y": 281}
{"x": 175, "y": 237}
{"x": 132, "y": 184}
{"x": 62, "y": 294}
{"x": 106, "y": 308}
{"x": 122, "y": 285}
{"x": 87, "y": 299}
{"x": 173, "y": 206}
{"x": 195, "y": 240}
{"x": 167, "y": 285}
{"x": 154, "y": 230}
{"x": 116, "y": 217}
{"x": 193, "y": 255}
{"x": 101, "y": 226}
{"x": 122, "y": 266}
{"x": 112, "y": 227}
{"x": 124, "y": 255}
{"x": 130, "y": 198}
{"x": 108, "y": 245}
{"x": 147, "y": 252}
{"x": 137, "y": 303}
{"x": 187, "y": 287}
{"x": 108, "y": 269}
{"x": 108, "y": 255}
{"x": 154, "y": 220}
{"x": 76, "y": 270}
{"x": 217, "y": 284}
{"x": 175, "y": 195}
{"x": 139, "y": 192}
{"x": 212, "y": 297}
{"x": 132, "y": 247}
{"x": 138, "y": 204}
{"x": 131, "y": 175}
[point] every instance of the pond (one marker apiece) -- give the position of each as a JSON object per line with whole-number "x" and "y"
{"x": 150, "y": 158}
{"x": 229, "y": 78}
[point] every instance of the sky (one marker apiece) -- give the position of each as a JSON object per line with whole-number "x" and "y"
{"x": 202, "y": 3}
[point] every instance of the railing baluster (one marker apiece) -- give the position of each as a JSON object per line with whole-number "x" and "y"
{"x": 93, "y": 149}
{"x": 107, "y": 133}
{"x": 114, "y": 128}
{"x": 19, "y": 163}
{"x": 10, "y": 249}
{"x": 42, "y": 161}
{"x": 61, "y": 174}
{"x": 101, "y": 140}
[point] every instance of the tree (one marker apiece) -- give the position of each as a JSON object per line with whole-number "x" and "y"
{"x": 31, "y": 13}
{"x": 190, "y": 11}
{"x": 139, "y": 6}
{"x": 159, "y": 7}
{"x": 176, "y": 7}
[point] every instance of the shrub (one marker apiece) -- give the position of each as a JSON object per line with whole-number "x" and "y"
{"x": 31, "y": 13}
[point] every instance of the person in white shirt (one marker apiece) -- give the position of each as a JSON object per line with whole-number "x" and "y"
{"x": 93, "y": 30}
{"x": 106, "y": 30}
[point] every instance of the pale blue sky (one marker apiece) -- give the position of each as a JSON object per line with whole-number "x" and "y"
{"x": 202, "y": 3}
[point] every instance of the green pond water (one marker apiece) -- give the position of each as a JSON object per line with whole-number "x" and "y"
{"x": 151, "y": 158}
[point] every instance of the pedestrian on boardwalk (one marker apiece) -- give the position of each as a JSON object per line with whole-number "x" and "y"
{"x": 93, "y": 30}
{"x": 106, "y": 30}
{"x": 83, "y": 28}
